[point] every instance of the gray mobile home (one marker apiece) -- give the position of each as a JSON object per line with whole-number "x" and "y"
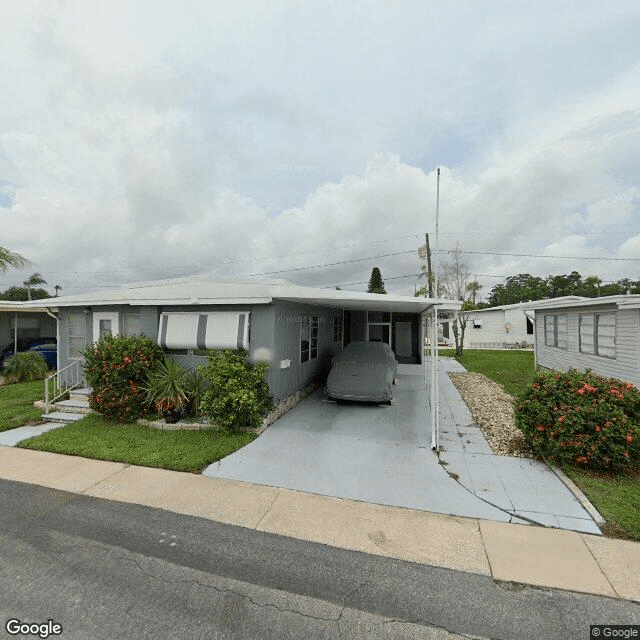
{"x": 602, "y": 334}
{"x": 296, "y": 329}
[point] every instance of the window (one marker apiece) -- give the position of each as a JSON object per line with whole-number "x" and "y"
{"x": 379, "y": 326}
{"x": 309, "y": 338}
{"x": 337, "y": 328}
{"x": 76, "y": 335}
{"x": 210, "y": 330}
{"x": 597, "y": 334}
{"x": 529, "y": 327}
{"x": 132, "y": 324}
{"x": 555, "y": 331}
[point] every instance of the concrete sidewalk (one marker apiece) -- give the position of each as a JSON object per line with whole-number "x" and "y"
{"x": 507, "y": 552}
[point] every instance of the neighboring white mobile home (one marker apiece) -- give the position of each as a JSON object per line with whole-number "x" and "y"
{"x": 602, "y": 334}
{"x": 506, "y": 327}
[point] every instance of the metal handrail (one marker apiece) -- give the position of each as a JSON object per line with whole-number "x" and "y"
{"x": 74, "y": 371}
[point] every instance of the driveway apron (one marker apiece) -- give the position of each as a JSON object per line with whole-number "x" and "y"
{"x": 382, "y": 454}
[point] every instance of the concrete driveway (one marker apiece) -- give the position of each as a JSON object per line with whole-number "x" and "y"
{"x": 381, "y": 454}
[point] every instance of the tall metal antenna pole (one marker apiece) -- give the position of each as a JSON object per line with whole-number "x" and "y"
{"x": 435, "y": 400}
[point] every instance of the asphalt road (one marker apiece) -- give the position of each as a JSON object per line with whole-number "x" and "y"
{"x": 104, "y": 569}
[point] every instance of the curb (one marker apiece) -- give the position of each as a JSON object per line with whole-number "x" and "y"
{"x": 580, "y": 497}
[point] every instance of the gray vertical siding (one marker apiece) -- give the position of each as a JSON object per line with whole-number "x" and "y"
{"x": 284, "y": 382}
{"x": 626, "y": 364}
{"x": 274, "y": 337}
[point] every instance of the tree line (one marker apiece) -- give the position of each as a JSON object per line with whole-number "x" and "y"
{"x": 525, "y": 287}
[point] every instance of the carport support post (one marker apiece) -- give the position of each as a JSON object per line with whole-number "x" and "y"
{"x": 15, "y": 333}
{"x": 435, "y": 401}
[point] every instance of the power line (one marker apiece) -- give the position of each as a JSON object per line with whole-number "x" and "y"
{"x": 533, "y": 255}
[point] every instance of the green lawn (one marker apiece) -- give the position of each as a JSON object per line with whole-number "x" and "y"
{"x": 16, "y": 404}
{"x": 512, "y": 369}
{"x": 615, "y": 496}
{"x": 180, "y": 450}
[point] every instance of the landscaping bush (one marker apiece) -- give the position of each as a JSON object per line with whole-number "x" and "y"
{"x": 25, "y": 366}
{"x": 581, "y": 418}
{"x": 238, "y": 395}
{"x": 166, "y": 387}
{"x": 117, "y": 368}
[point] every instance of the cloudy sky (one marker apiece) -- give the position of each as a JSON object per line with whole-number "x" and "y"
{"x": 142, "y": 140}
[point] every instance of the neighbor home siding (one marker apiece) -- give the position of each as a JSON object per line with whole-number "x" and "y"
{"x": 626, "y": 363}
{"x": 493, "y": 332}
{"x": 288, "y": 324}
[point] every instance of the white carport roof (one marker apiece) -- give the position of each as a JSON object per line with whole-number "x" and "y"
{"x": 214, "y": 291}
{"x": 19, "y": 307}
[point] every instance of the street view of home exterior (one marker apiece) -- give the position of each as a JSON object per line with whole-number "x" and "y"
{"x": 320, "y": 321}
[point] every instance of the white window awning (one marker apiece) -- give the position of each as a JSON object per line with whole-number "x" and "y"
{"x": 213, "y": 330}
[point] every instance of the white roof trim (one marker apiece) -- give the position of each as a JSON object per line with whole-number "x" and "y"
{"x": 621, "y": 301}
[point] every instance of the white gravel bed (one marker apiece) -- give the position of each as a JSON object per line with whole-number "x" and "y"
{"x": 492, "y": 409}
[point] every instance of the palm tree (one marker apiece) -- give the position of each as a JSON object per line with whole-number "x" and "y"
{"x": 32, "y": 281}
{"x": 473, "y": 287}
{"x": 11, "y": 259}
{"x": 57, "y": 288}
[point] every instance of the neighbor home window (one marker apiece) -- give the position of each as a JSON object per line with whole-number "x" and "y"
{"x": 597, "y": 334}
{"x": 337, "y": 328}
{"x": 76, "y": 335}
{"x": 132, "y": 325}
{"x": 555, "y": 331}
{"x": 529, "y": 327}
{"x": 309, "y": 338}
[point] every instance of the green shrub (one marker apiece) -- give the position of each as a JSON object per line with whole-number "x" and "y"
{"x": 195, "y": 385}
{"x": 581, "y": 418}
{"x": 25, "y": 366}
{"x": 117, "y": 368}
{"x": 166, "y": 389}
{"x": 239, "y": 395}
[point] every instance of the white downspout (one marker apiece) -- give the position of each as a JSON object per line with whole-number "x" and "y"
{"x": 15, "y": 333}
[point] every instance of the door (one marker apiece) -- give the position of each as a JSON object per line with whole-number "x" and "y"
{"x": 105, "y": 322}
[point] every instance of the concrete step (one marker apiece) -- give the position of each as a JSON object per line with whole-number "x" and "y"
{"x": 80, "y": 394}
{"x": 62, "y": 416}
{"x": 77, "y": 406}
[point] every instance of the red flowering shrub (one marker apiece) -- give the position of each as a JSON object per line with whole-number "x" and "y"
{"x": 581, "y": 418}
{"x": 117, "y": 368}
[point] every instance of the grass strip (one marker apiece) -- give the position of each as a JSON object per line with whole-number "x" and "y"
{"x": 179, "y": 450}
{"x": 616, "y": 497}
{"x": 512, "y": 369}
{"x": 16, "y": 404}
